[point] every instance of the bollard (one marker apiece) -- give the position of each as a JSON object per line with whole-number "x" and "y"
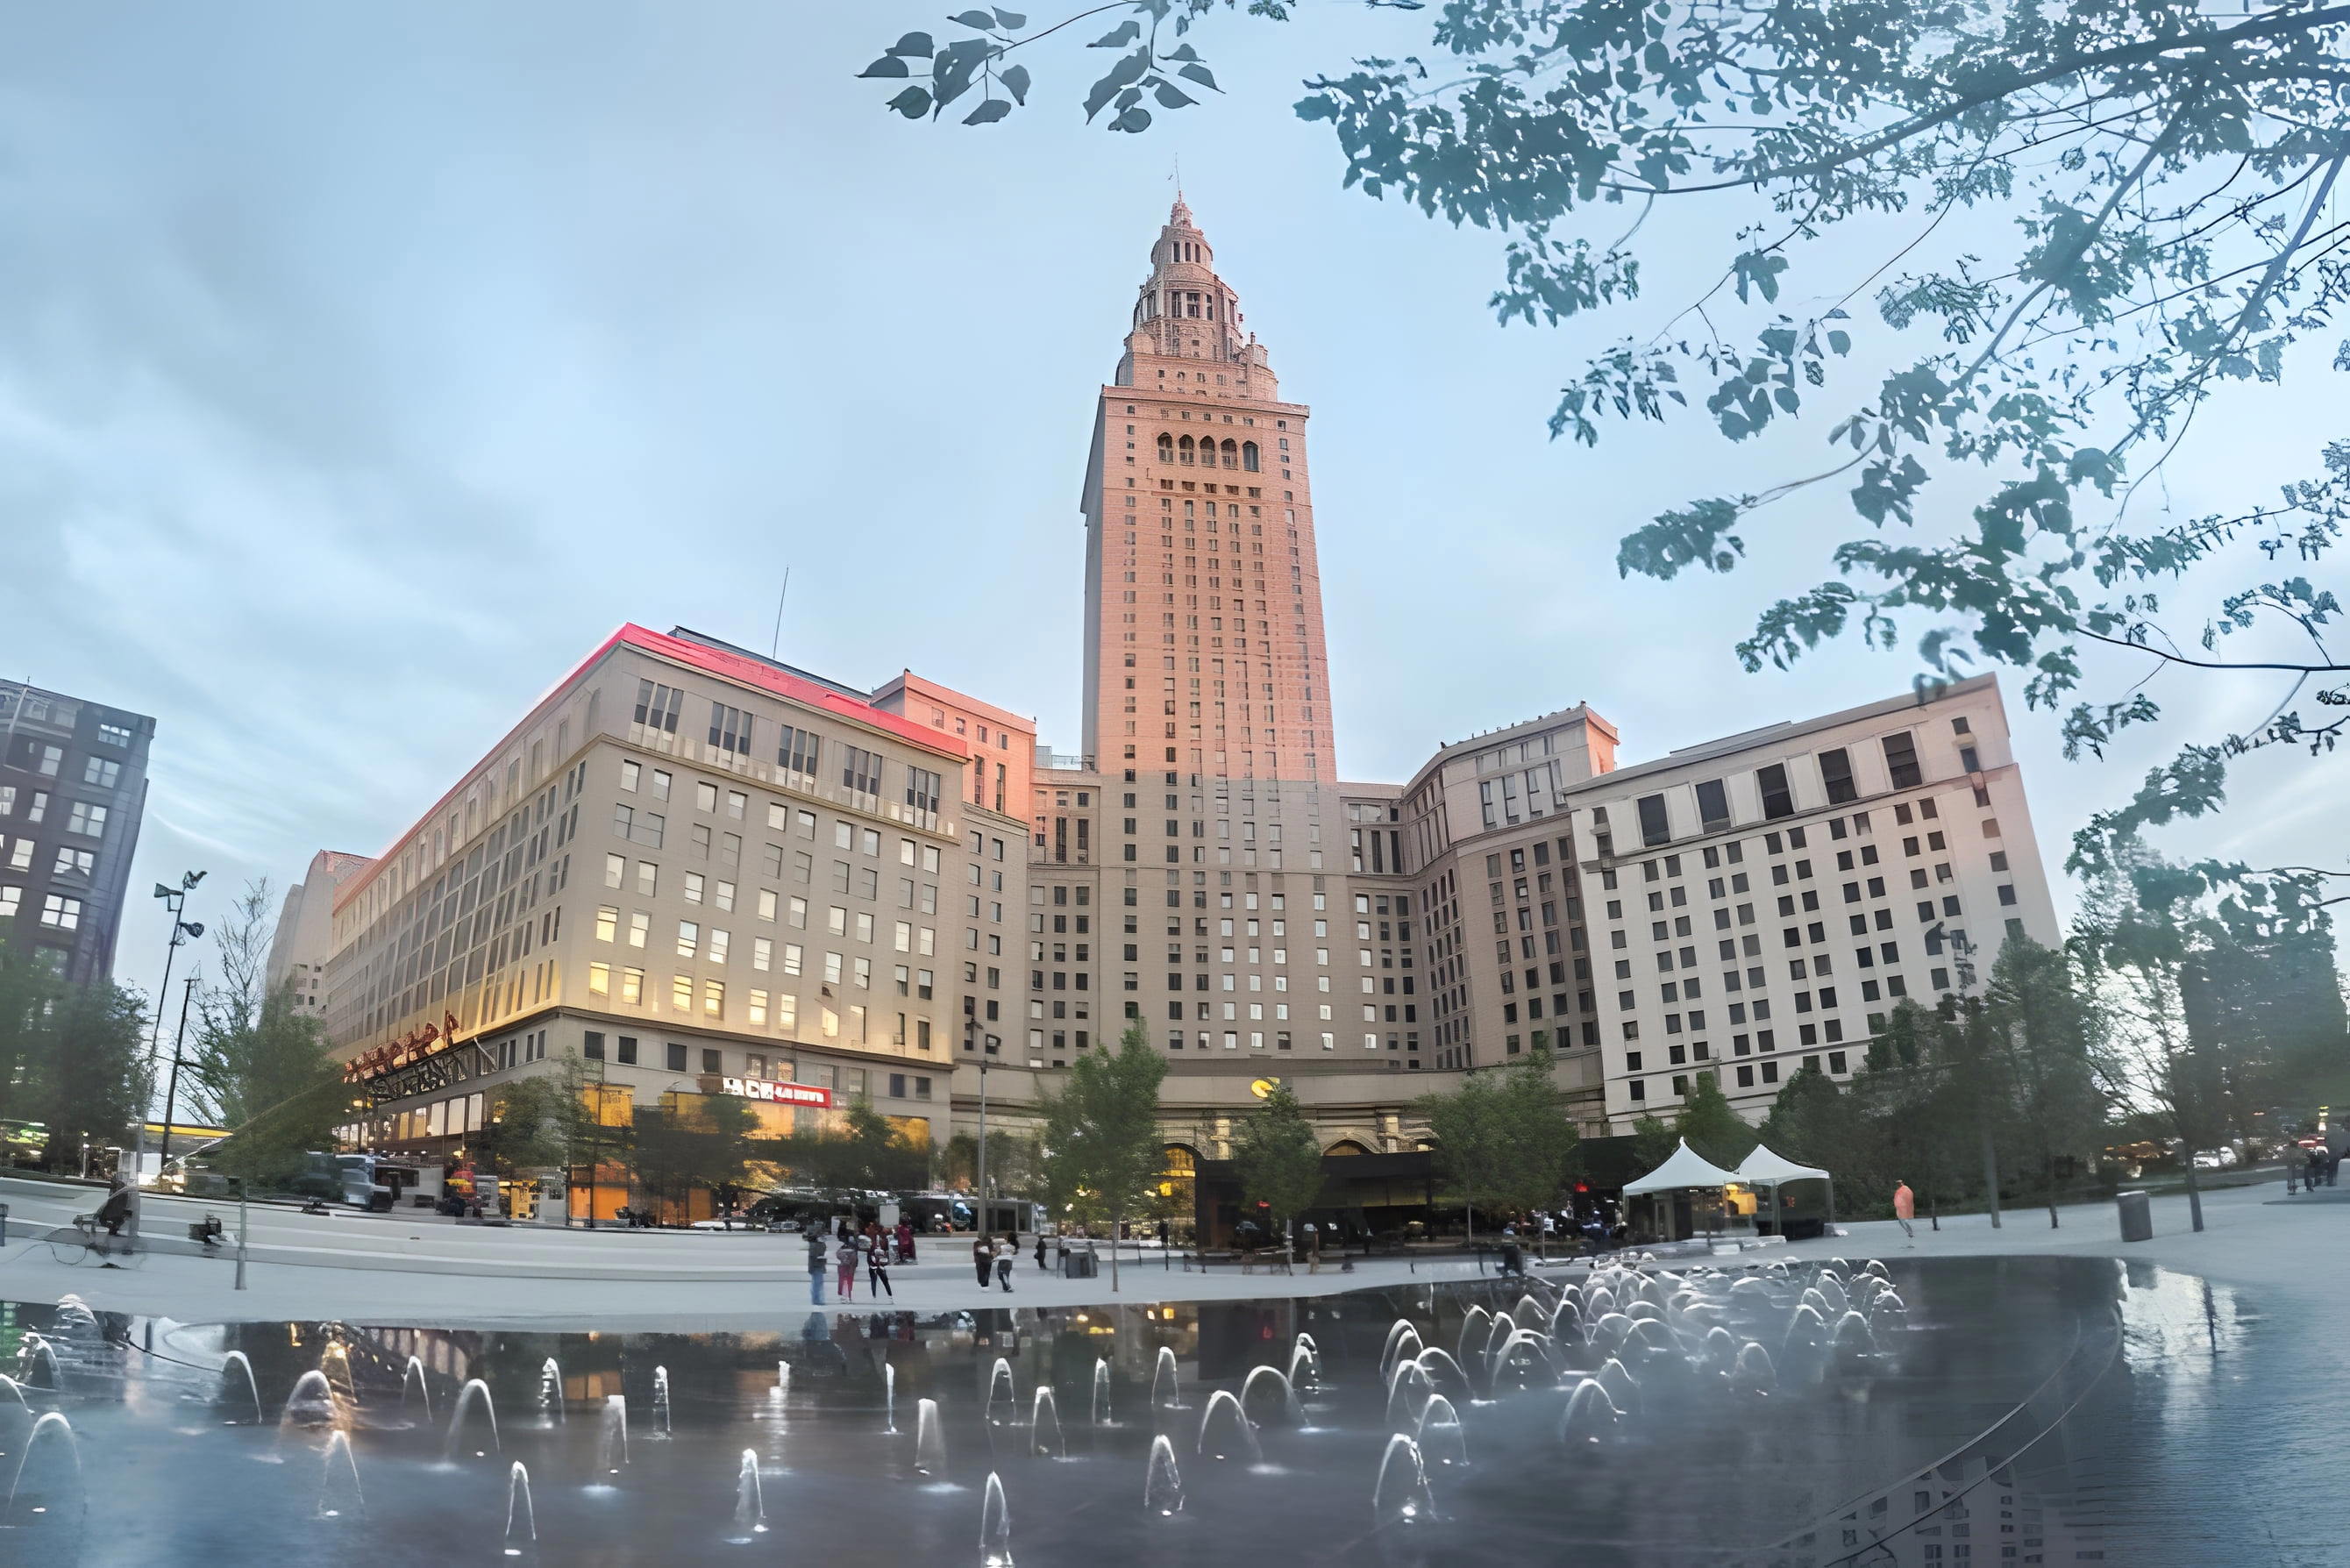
{"x": 4, "y": 1224}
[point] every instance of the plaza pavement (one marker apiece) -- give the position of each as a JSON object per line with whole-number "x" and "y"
{"x": 2255, "y": 1237}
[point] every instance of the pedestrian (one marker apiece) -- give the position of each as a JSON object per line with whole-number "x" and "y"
{"x": 1003, "y": 1255}
{"x": 1313, "y": 1248}
{"x": 845, "y": 1254}
{"x": 1905, "y": 1210}
{"x": 115, "y": 1212}
{"x": 982, "y": 1260}
{"x": 905, "y": 1241}
{"x": 816, "y": 1266}
{"x": 876, "y": 1270}
{"x": 1163, "y": 1233}
{"x": 1040, "y": 1251}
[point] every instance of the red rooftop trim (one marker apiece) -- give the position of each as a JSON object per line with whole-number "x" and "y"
{"x": 710, "y": 660}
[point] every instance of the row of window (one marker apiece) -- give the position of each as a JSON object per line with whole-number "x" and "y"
{"x": 798, "y": 750}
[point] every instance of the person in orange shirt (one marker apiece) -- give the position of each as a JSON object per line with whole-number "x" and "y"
{"x": 1905, "y": 1210}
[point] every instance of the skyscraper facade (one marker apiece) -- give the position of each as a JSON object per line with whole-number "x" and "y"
{"x": 73, "y": 791}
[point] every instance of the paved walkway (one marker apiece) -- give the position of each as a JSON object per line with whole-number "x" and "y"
{"x": 2255, "y": 1237}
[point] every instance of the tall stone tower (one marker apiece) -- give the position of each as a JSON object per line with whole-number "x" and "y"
{"x": 1203, "y": 593}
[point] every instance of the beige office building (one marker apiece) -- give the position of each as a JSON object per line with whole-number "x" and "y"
{"x": 699, "y": 869}
{"x": 304, "y": 938}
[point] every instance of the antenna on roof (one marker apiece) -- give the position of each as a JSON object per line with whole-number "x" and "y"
{"x": 775, "y": 647}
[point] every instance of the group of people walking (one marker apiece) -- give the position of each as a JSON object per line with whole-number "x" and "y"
{"x": 849, "y": 1249}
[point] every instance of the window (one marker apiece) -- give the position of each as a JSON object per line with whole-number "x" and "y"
{"x": 1901, "y": 761}
{"x": 860, "y": 770}
{"x": 658, "y": 706}
{"x": 632, "y": 985}
{"x": 61, "y": 913}
{"x": 113, "y": 735}
{"x": 1654, "y": 829}
{"x": 1712, "y": 806}
{"x": 82, "y": 862}
{"x": 729, "y": 730}
{"x": 922, "y": 790}
{"x": 592, "y": 1046}
{"x": 1777, "y": 800}
{"x": 99, "y": 773}
{"x": 798, "y": 750}
{"x": 1835, "y": 772}
{"x": 86, "y": 819}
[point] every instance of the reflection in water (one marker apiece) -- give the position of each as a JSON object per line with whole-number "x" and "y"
{"x": 1975, "y": 1417}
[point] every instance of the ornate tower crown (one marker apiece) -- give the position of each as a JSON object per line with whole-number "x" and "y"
{"x": 1183, "y": 309}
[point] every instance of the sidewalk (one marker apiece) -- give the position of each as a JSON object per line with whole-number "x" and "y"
{"x": 2256, "y": 1237}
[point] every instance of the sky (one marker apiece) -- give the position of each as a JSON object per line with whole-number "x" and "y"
{"x": 362, "y": 367}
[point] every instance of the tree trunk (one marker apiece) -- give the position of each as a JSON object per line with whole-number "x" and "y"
{"x": 1117, "y": 1224}
{"x": 1990, "y": 1175}
{"x": 2194, "y": 1193}
{"x": 2051, "y": 1171}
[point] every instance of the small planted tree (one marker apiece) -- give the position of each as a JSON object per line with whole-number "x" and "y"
{"x": 1279, "y": 1160}
{"x": 1102, "y": 1150}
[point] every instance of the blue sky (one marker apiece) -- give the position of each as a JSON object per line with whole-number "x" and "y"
{"x": 359, "y": 370}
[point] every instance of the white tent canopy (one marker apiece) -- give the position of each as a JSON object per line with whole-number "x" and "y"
{"x": 1687, "y": 1167}
{"x": 1765, "y": 1168}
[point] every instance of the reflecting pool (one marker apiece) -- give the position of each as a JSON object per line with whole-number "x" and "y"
{"x": 1794, "y": 1414}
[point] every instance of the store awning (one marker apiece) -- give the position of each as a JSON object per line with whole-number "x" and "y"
{"x": 1765, "y": 1168}
{"x": 1687, "y": 1167}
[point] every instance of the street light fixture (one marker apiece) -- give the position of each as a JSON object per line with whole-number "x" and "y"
{"x": 182, "y": 930}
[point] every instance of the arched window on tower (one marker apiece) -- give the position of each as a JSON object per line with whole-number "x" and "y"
{"x": 1184, "y": 449}
{"x": 1248, "y": 456}
{"x": 1167, "y": 447}
{"x": 1231, "y": 453}
{"x": 1190, "y": 305}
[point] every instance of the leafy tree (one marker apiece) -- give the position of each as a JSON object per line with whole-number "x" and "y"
{"x": 692, "y": 1141}
{"x": 1278, "y": 1158}
{"x": 1993, "y": 392}
{"x": 1102, "y": 1150}
{"x": 72, "y": 1058}
{"x": 96, "y": 1036}
{"x": 1501, "y": 1140}
{"x": 1653, "y": 1142}
{"x": 1709, "y": 1125}
{"x": 1013, "y": 1161}
{"x": 866, "y": 1153}
{"x": 2046, "y": 1032}
{"x": 255, "y": 1050}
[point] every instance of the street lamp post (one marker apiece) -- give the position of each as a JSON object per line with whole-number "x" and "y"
{"x": 175, "y": 900}
{"x": 987, "y": 1045}
{"x": 172, "y": 1096}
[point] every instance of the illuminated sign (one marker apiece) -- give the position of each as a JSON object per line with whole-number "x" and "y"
{"x": 777, "y": 1094}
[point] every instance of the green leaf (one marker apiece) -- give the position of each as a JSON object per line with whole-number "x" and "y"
{"x": 886, "y": 66}
{"x": 1016, "y": 81}
{"x": 987, "y": 113}
{"x": 1169, "y": 96}
{"x": 979, "y": 19}
{"x": 1010, "y": 21}
{"x": 1133, "y": 120}
{"x": 1760, "y": 271}
{"x": 1840, "y": 342}
{"x": 1117, "y": 38}
{"x": 1182, "y": 52}
{"x": 913, "y": 103}
{"x": 915, "y": 44}
{"x": 1201, "y": 75}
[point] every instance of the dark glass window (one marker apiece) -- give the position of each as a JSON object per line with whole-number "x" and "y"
{"x": 1653, "y": 828}
{"x": 1902, "y": 760}
{"x": 1835, "y": 772}
{"x": 1777, "y": 799}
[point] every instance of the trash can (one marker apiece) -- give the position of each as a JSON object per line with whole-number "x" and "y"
{"x": 2137, "y": 1216}
{"x": 1084, "y": 1265}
